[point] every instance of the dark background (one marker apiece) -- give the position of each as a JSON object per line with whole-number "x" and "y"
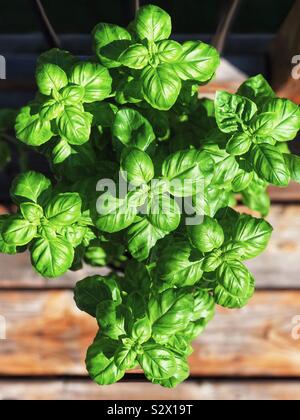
{"x": 189, "y": 16}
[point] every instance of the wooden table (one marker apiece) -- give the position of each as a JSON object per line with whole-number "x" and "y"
{"x": 247, "y": 354}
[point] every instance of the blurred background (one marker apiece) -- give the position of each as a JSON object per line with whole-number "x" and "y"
{"x": 248, "y": 354}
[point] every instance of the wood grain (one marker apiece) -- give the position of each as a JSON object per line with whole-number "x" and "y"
{"x": 278, "y": 267}
{"x": 47, "y": 335}
{"x": 285, "y": 47}
{"x": 80, "y": 390}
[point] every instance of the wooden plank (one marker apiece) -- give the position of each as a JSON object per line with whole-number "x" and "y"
{"x": 48, "y": 336}
{"x": 285, "y": 47}
{"x": 80, "y": 390}
{"x": 278, "y": 267}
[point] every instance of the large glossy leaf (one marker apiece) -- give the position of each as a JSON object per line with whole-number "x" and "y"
{"x": 93, "y": 290}
{"x": 250, "y": 237}
{"x": 30, "y": 186}
{"x": 235, "y": 285}
{"x": 75, "y": 125}
{"x": 114, "y": 214}
{"x": 52, "y": 258}
{"x": 161, "y": 86}
{"x": 137, "y": 166}
{"x": 206, "y": 236}
{"x": 31, "y": 129}
{"x": 169, "y": 313}
{"x": 18, "y": 231}
{"x": 293, "y": 164}
{"x": 64, "y": 209}
{"x": 257, "y": 89}
{"x": 94, "y": 78}
{"x": 142, "y": 237}
{"x": 280, "y": 119}
{"x": 233, "y": 112}
{"x": 106, "y": 34}
{"x": 157, "y": 362}
{"x": 186, "y": 170}
{"x": 178, "y": 265}
{"x": 132, "y": 129}
{"x": 269, "y": 164}
{"x": 152, "y": 23}
{"x": 4, "y": 247}
{"x": 50, "y": 77}
{"x": 100, "y": 361}
{"x": 198, "y": 61}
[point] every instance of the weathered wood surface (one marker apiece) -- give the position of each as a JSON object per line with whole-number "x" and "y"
{"x": 48, "y": 336}
{"x": 278, "y": 267}
{"x": 80, "y": 390}
{"x": 285, "y": 54}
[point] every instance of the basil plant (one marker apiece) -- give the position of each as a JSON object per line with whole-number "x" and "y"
{"x": 132, "y": 113}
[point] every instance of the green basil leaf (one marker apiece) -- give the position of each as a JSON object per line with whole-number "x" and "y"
{"x": 161, "y": 86}
{"x": 142, "y": 237}
{"x": 73, "y": 95}
{"x": 61, "y": 152}
{"x": 106, "y": 34}
{"x": 269, "y": 164}
{"x": 157, "y": 362}
{"x": 59, "y": 58}
{"x": 181, "y": 374}
{"x": 125, "y": 358}
{"x": 32, "y": 212}
{"x": 185, "y": 170}
{"x": 141, "y": 330}
{"x": 169, "y": 51}
{"x": 100, "y": 361}
{"x": 233, "y": 112}
{"x": 114, "y": 214}
{"x": 136, "y": 56}
{"x": 75, "y": 125}
{"x": 293, "y": 164}
{"x": 132, "y": 129}
{"x": 164, "y": 213}
{"x": 207, "y": 236}
{"x": 137, "y": 166}
{"x": 4, "y": 247}
{"x": 258, "y": 201}
{"x": 169, "y": 313}
{"x": 51, "y": 110}
{"x": 30, "y": 186}
{"x": 204, "y": 306}
{"x": 31, "y": 129}
{"x": 94, "y": 78}
{"x": 52, "y": 258}
{"x": 64, "y": 209}
{"x": 239, "y": 144}
{"x": 18, "y": 231}
{"x": 236, "y": 285}
{"x": 152, "y": 23}
{"x": 280, "y": 119}
{"x": 178, "y": 265}
{"x": 112, "y": 318}
{"x": 198, "y": 61}
{"x": 93, "y": 290}
{"x": 257, "y": 89}
{"x": 251, "y": 236}
{"x": 49, "y": 78}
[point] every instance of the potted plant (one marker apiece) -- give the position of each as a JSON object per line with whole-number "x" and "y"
{"x": 132, "y": 113}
